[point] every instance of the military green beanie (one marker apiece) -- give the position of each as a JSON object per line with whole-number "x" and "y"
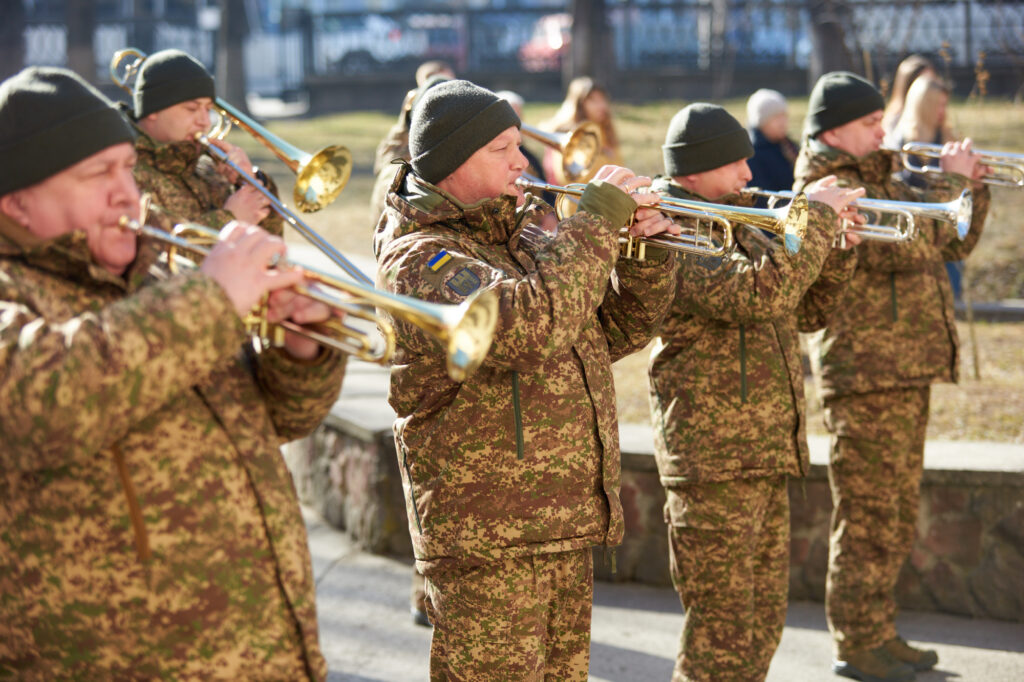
{"x": 450, "y": 123}
{"x": 702, "y": 137}
{"x": 50, "y": 119}
{"x": 169, "y": 77}
{"x": 837, "y": 98}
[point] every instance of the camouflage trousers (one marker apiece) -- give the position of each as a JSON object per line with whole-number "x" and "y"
{"x": 729, "y": 558}
{"x": 525, "y": 618}
{"x": 875, "y": 475}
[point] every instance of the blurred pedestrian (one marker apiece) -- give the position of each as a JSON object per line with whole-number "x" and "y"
{"x": 906, "y": 73}
{"x": 771, "y": 166}
{"x": 585, "y": 100}
{"x": 924, "y": 120}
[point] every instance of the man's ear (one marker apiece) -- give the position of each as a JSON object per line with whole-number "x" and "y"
{"x": 828, "y": 137}
{"x": 13, "y": 206}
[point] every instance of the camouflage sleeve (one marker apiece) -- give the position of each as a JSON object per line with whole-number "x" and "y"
{"x": 760, "y": 284}
{"x": 299, "y": 394}
{"x": 69, "y": 389}
{"x": 826, "y": 294}
{"x": 538, "y": 313}
{"x": 637, "y": 301}
{"x": 273, "y": 223}
{"x": 948, "y": 240}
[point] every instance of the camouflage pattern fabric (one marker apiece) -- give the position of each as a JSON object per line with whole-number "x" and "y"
{"x": 729, "y": 552}
{"x": 726, "y": 380}
{"x": 522, "y": 618}
{"x": 898, "y": 329}
{"x": 879, "y": 437}
{"x": 136, "y": 399}
{"x": 894, "y": 337}
{"x": 186, "y": 184}
{"x": 522, "y": 458}
{"x": 727, "y": 404}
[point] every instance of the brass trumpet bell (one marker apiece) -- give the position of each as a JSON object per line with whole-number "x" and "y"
{"x": 580, "y": 148}
{"x": 465, "y": 330}
{"x": 320, "y": 177}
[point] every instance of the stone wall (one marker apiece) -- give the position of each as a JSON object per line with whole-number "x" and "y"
{"x": 968, "y": 558}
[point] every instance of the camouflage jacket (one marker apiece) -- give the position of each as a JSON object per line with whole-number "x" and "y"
{"x": 523, "y": 457}
{"x": 186, "y": 184}
{"x": 148, "y": 525}
{"x": 896, "y": 327}
{"x": 726, "y": 380}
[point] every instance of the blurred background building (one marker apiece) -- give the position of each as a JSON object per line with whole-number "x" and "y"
{"x": 348, "y": 54}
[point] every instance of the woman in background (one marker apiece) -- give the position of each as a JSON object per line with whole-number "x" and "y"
{"x": 585, "y": 100}
{"x": 907, "y": 72}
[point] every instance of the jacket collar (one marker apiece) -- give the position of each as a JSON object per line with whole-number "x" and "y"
{"x": 68, "y": 256}
{"x": 874, "y": 168}
{"x": 172, "y": 157}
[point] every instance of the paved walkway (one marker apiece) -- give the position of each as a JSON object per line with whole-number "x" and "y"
{"x": 367, "y": 634}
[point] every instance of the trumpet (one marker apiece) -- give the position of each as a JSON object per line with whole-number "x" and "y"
{"x": 319, "y": 177}
{"x": 712, "y": 233}
{"x": 580, "y": 148}
{"x": 465, "y": 330}
{"x": 1006, "y": 169}
{"x": 956, "y": 212}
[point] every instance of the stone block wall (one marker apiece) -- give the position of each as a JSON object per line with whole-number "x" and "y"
{"x": 968, "y": 558}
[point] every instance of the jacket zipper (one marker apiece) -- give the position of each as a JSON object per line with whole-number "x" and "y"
{"x": 412, "y": 495}
{"x": 743, "y": 364}
{"x": 892, "y": 289}
{"x": 518, "y": 415}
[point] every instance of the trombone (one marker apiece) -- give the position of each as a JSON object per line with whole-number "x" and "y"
{"x": 319, "y": 177}
{"x": 712, "y": 233}
{"x": 956, "y": 212}
{"x": 1007, "y": 169}
{"x": 580, "y": 148}
{"x": 465, "y": 330}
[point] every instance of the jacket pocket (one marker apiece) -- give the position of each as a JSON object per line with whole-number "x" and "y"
{"x": 517, "y": 415}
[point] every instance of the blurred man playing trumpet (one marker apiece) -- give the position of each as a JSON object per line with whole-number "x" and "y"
{"x": 727, "y": 402}
{"x": 148, "y": 526}
{"x": 171, "y": 102}
{"x": 512, "y": 476}
{"x": 893, "y": 336}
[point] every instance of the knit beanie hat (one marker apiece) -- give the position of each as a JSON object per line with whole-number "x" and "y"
{"x": 50, "y": 119}
{"x": 764, "y": 105}
{"x": 703, "y": 137}
{"x": 837, "y": 98}
{"x": 169, "y": 77}
{"x": 450, "y": 123}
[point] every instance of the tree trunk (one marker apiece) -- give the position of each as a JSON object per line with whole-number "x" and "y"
{"x": 828, "y": 38}
{"x": 12, "y": 38}
{"x": 80, "y": 19}
{"x": 590, "y": 51}
{"x": 234, "y": 27}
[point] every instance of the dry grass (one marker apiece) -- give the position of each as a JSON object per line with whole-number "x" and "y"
{"x": 989, "y": 409}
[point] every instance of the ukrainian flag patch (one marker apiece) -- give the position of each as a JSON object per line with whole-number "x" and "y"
{"x": 439, "y": 261}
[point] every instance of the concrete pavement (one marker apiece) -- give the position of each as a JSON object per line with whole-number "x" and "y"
{"x": 367, "y": 634}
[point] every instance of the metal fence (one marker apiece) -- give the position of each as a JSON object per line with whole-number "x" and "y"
{"x": 283, "y": 50}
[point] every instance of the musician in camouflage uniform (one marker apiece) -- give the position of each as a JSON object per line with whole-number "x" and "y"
{"x": 512, "y": 476}
{"x": 148, "y": 525}
{"x": 171, "y": 102}
{"x": 883, "y": 348}
{"x": 727, "y": 402}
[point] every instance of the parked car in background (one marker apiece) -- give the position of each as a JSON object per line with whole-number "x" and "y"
{"x": 548, "y": 45}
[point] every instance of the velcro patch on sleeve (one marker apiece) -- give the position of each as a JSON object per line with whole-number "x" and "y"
{"x": 464, "y": 282}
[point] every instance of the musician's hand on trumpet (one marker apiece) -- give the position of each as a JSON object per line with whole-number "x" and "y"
{"x": 959, "y": 157}
{"x": 244, "y": 264}
{"x": 647, "y": 221}
{"x": 840, "y": 199}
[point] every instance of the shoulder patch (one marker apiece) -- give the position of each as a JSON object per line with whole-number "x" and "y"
{"x": 464, "y": 282}
{"x": 439, "y": 260}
